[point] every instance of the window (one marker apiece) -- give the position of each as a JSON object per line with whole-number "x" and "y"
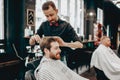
{"x": 99, "y": 15}
{"x": 1, "y": 20}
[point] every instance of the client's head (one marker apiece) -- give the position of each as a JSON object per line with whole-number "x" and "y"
{"x": 50, "y": 48}
{"x": 106, "y": 41}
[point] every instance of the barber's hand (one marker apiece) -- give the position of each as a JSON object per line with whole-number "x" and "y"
{"x": 34, "y": 39}
{"x": 60, "y": 41}
{"x": 37, "y": 38}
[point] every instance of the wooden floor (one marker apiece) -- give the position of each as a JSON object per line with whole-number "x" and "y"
{"x": 89, "y": 74}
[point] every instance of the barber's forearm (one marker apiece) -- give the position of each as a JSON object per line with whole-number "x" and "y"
{"x": 74, "y": 45}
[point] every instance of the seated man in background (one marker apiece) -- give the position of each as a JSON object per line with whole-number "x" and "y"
{"x": 50, "y": 67}
{"x": 104, "y": 59}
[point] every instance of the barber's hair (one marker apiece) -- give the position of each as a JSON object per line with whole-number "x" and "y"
{"x": 47, "y": 4}
{"x": 46, "y": 43}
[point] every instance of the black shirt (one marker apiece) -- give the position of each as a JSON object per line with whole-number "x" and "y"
{"x": 63, "y": 30}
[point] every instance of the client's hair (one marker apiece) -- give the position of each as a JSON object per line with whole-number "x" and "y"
{"x": 46, "y": 43}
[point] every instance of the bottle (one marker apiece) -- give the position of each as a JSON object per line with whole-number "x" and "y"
{"x": 26, "y": 32}
{"x": 30, "y": 31}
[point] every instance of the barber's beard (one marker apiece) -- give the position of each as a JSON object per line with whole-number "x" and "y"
{"x": 53, "y": 21}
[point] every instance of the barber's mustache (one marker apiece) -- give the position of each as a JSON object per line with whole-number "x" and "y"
{"x": 52, "y": 21}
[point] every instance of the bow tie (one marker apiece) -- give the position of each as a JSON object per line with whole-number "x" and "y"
{"x": 54, "y": 24}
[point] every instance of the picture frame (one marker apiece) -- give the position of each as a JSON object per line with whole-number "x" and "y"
{"x": 30, "y": 17}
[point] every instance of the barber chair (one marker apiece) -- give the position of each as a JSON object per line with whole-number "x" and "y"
{"x": 119, "y": 49}
{"x": 100, "y": 74}
{"x": 78, "y": 58}
{"x": 33, "y": 64}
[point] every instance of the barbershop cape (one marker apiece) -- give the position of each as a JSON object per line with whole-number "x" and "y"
{"x": 50, "y": 69}
{"x": 106, "y": 60}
